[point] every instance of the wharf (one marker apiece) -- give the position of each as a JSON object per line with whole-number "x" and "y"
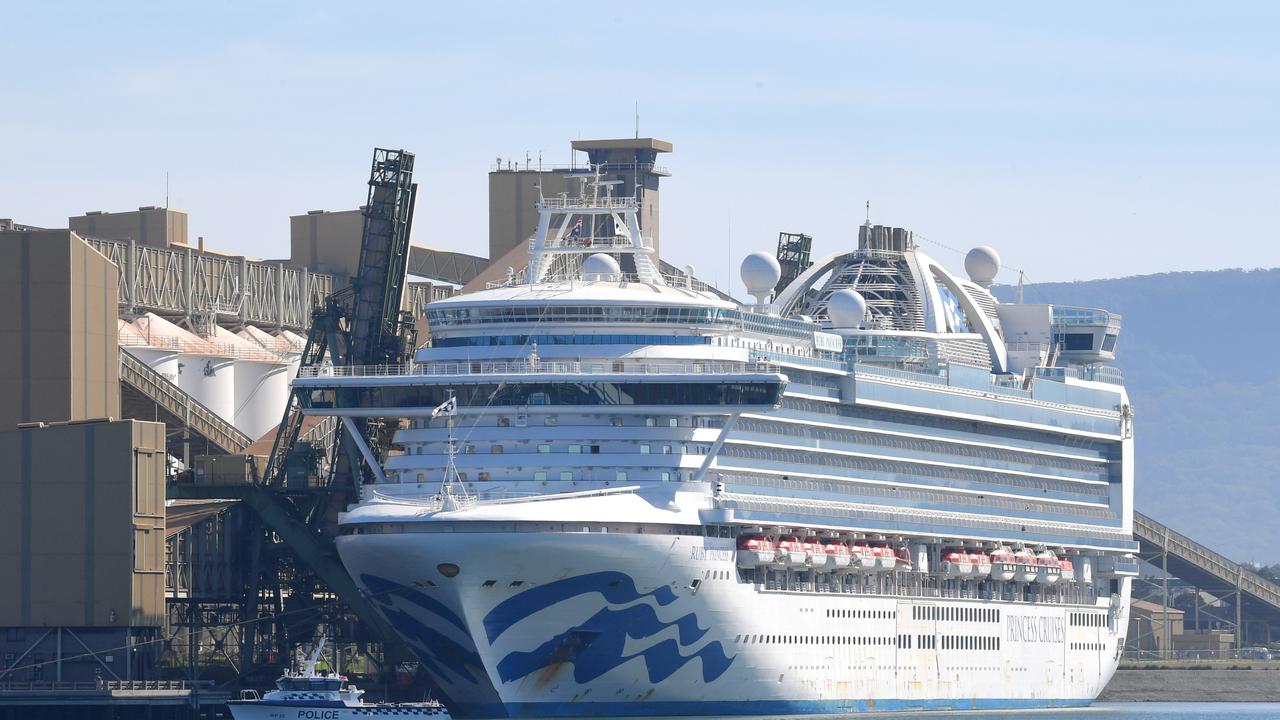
{"x": 22, "y": 699}
{"x": 1195, "y": 681}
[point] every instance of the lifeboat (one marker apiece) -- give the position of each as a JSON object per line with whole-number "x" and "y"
{"x": 814, "y": 552}
{"x": 755, "y": 550}
{"x": 1048, "y": 571}
{"x": 885, "y": 559}
{"x": 1025, "y": 563}
{"x": 838, "y": 555}
{"x": 1067, "y": 567}
{"x": 1003, "y": 565}
{"x": 956, "y": 563}
{"x": 791, "y": 551}
{"x": 981, "y": 564}
{"x": 863, "y": 559}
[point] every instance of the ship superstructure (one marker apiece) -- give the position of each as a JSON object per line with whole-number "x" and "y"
{"x": 614, "y": 493}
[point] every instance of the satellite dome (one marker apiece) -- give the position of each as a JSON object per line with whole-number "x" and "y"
{"x": 600, "y": 267}
{"x": 846, "y": 308}
{"x": 760, "y": 272}
{"x": 982, "y": 263}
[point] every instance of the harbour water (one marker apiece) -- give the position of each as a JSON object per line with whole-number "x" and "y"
{"x": 1131, "y": 711}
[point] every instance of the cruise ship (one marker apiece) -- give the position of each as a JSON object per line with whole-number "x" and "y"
{"x": 615, "y": 492}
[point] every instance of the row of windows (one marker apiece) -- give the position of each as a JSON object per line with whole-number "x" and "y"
{"x": 970, "y": 642}
{"x": 962, "y": 614}
{"x": 571, "y": 448}
{"x": 940, "y": 447}
{"x": 896, "y": 468}
{"x": 962, "y": 428}
{"x": 863, "y": 614}
{"x": 1088, "y": 619}
{"x": 859, "y": 640}
{"x": 584, "y": 339}
{"x": 440, "y": 317}
{"x": 1088, "y": 646}
{"x": 505, "y": 394}
{"x": 562, "y": 475}
{"x": 854, "y": 488}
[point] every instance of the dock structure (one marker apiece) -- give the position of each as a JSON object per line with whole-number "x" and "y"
{"x": 1253, "y": 602}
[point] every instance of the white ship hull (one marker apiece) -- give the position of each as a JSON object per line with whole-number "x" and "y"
{"x": 264, "y": 710}
{"x": 572, "y": 624}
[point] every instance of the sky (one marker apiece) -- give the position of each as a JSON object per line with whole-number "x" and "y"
{"x": 1083, "y": 140}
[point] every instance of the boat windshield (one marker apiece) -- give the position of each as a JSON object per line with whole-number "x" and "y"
{"x": 309, "y": 683}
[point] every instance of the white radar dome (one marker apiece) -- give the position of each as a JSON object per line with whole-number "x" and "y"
{"x": 760, "y": 272}
{"x": 600, "y": 267}
{"x": 982, "y": 263}
{"x": 846, "y": 308}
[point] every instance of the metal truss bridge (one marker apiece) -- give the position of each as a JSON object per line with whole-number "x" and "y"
{"x": 1256, "y": 599}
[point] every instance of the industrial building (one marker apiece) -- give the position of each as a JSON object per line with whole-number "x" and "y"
{"x": 147, "y": 375}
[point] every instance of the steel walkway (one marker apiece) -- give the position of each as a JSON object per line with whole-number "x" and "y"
{"x": 179, "y": 408}
{"x": 1206, "y": 569}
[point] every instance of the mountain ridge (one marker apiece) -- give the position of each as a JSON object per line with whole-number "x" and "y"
{"x": 1202, "y": 374}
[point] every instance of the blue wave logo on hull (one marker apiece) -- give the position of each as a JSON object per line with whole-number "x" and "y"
{"x": 598, "y": 644}
{"x": 442, "y": 656}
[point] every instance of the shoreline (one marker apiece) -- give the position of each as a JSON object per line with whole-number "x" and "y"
{"x": 1195, "y": 681}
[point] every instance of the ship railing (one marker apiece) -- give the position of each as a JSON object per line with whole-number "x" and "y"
{"x": 572, "y": 203}
{"x": 932, "y": 376}
{"x": 1028, "y": 346}
{"x": 91, "y": 686}
{"x": 538, "y": 368}
{"x": 1096, "y": 373}
{"x": 1066, "y": 315}
{"x": 609, "y": 242}
{"x": 780, "y": 357}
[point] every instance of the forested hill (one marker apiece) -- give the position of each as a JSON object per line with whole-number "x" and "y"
{"x": 1201, "y": 356}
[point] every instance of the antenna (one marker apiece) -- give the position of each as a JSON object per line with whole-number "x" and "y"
{"x": 637, "y": 119}
{"x": 166, "y": 189}
{"x": 729, "y": 255}
{"x": 868, "y": 221}
{"x": 1018, "y": 297}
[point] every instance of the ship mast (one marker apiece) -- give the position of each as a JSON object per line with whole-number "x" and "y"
{"x": 561, "y": 234}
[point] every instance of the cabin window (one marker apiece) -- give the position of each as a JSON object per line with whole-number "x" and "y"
{"x": 540, "y": 475}
{"x": 566, "y": 475}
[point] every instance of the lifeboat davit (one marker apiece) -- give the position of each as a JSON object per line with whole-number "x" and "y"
{"x": 1003, "y": 564}
{"x": 981, "y": 564}
{"x": 755, "y": 550}
{"x": 1025, "y": 563}
{"x": 815, "y": 553}
{"x": 956, "y": 563}
{"x": 1067, "y": 567}
{"x": 838, "y": 555}
{"x": 1048, "y": 571}
{"x": 902, "y": 556}
{"x": 791, "y": 551}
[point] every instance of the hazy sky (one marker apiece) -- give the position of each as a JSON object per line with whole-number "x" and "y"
{"x": 1081, "y": 140}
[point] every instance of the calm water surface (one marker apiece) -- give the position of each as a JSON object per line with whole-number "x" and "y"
{"x": 1126, "y": 711}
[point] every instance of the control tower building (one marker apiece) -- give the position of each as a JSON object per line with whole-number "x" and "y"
{"x": 513, "y": 188}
